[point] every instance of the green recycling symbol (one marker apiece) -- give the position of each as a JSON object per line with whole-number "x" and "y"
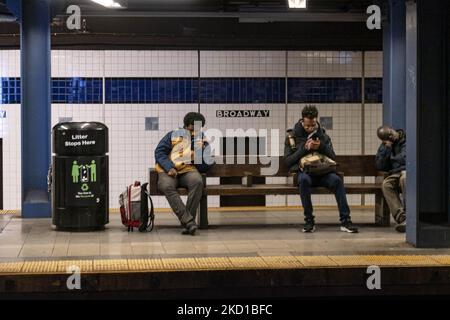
{"x": 84, "y": 187}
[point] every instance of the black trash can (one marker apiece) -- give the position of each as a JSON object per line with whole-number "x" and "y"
{"x": 80, "y": 182}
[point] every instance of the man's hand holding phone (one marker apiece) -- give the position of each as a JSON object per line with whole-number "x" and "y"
{"x": 315, "y": 144}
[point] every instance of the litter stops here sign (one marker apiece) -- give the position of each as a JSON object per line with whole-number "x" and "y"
{"x": 82, "y": 180}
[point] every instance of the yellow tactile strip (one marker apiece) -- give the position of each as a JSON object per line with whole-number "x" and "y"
{"x": 283, "y": 262}
{"x": 316, "y": 261}
{"x": 220, "y": 263}
{"x": 11, "y": 212}
{"x": 180, "y": 264}
{"x": 145, "y": 265}
{"x": 11, "y": 267}
{"x": 209, "y": 263}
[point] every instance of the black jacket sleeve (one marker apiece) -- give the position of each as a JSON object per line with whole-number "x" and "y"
{"x": 292, "y": 157}
{"x": 383, "y": 158}
{"x": 326, "y": 147}
{"x": 400, "y": 157}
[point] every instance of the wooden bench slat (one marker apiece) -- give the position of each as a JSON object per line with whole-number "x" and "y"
{"x": 352, "y": 166}
{"x": 279, "y": 189}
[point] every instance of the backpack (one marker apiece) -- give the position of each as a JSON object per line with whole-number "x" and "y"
{"x": 317, "y": 164}
{"x": 134, "y": 208}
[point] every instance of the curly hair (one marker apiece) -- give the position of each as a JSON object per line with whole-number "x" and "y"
{"x": 310, "y": 112}
{"x": 191, "y": 117}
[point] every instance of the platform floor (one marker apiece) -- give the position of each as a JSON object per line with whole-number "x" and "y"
{"x": 232, "y": 234}
{"x": 259, "y": 254}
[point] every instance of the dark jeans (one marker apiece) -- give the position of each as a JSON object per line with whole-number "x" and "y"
{"x": 331, "y": 181}
{"x": 193, "y": 182}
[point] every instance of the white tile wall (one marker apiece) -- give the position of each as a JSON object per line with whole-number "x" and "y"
{"x": 243, "y": 63}
{"x": 373, "y": 120}
{"x": 77, "y": 63}
{"x": 132, "y": 148}
{"x": 373, "y": 64}
{"x": 132, "y": 63}
{"x": 346, "y": 64}
{"x": 12, "y": 162}
{"x": 9, "y": 63}
{"x": 78, "y": 112}
{"x": 11, "y": 135}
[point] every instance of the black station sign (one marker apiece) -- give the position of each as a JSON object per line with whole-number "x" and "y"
{"x": 242, "y": 113}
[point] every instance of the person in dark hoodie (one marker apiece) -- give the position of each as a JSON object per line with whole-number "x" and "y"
{"x": 322, "y": 144}
{"x": 391, "y": 158}
{"x": 180, "y": 158}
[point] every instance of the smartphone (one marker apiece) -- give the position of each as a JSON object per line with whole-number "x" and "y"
{"x": 313, "y": 136}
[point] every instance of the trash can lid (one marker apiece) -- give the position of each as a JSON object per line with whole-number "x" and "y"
{"x": 92, "y": 125}
{"x": 80, "y": 138}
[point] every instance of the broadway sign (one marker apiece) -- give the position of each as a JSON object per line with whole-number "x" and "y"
{"x": 242, "y": 113}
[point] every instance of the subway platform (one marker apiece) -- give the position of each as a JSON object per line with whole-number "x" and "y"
{"x": 244, "y": 254}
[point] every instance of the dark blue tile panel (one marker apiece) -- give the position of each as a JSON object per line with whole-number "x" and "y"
{"x": 212, "y": 90}
{"x": 374, "y": 90}
{"x": 324, "y": 90}
{"x": 242, "y": 90}
{"x": 77, "y": 90}
{"x": 151, "y": 90}
{"x": 10, "y": 90}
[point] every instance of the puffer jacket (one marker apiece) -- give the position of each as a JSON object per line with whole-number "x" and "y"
{"x": 292, "y": 157}
{"x": 168, "y": 142}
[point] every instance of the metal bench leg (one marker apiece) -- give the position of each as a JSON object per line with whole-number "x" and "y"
{"x": 203, "y": 216}
{"x": 382, "y": 213}
{"x": 203, "y": 223}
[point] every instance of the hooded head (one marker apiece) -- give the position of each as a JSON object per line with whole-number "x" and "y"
{"x": 386, "y": 133}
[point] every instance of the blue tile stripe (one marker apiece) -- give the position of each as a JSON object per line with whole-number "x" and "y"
{"x": 151, "y": 90}
{"x": 77, "y": 90}
{"x": 209, "y": 90}
{"x": 64, "y": 90}
{"x": 324, "y": 90}
{"x": 10, "y": 90}
{"x": 373, "y": 90}
{"x": 242, "y": 90}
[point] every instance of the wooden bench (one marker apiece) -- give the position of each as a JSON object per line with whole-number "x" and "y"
{"x": 348, "y": 166}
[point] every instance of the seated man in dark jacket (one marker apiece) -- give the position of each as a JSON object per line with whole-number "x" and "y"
{"x": 180, "y": 158}
{"x": 321, "y": 144}
{"x": 391, "y": 157}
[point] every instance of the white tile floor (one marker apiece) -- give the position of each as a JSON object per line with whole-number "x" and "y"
{"x": 262, "y": 233}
